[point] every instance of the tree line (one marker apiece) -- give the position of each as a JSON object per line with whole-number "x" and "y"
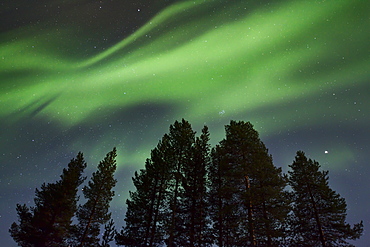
{"x": 190, "y": 194}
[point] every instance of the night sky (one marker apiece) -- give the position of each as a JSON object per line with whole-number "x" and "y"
{"x": 88, "y": 75}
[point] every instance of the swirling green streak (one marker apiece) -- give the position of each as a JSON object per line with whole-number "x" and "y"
{"x": 233, "y": 67}
{"x": 196, "y": 54}
{"x": 159, "y": 19}
{"x": 35, "y": 50}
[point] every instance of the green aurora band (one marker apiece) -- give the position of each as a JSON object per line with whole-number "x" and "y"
{"x": 205, "y": 65}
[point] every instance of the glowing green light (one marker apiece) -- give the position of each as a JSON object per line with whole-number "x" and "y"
{"x": 205, "y": 68}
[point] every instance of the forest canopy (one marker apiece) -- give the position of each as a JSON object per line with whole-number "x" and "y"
{"x": 192, "y": 194}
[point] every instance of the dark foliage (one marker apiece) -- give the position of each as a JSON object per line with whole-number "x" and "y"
{"x": 48, "y": 223}
{"x": 95, "y": 212}
{"x": 248, "y": 202}
{"x": 319, "y": 213}
{"x": 169, "y": 205}
{"x": 190, "y": 195}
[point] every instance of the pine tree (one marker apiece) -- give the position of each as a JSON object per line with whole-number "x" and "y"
{"x": 145, "y": 207}
{"x": 95, "y": 212}
{"x": 109, "y": 234}
{"x": 181, "y": 140}
{"x": 186, "y": 158}
{"x": 48, "y": 223}
{"x": 248, "y": 202}
{"x": 223, "y": 202}
{"x": 319, "y": 212}
{"x": 169, "y": 204}
{"x": 195, "y": 215}
{"x": 143, "y": 216}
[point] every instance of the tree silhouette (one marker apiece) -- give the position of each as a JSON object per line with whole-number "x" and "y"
{"x": 189, "y": 195}
{"x": 95, "y": 212}
{"x": 109, "y": 234}
{"x": 188, "y": 157}
{"x": 195, "y": 182}
{"x": 48, "y": 223}
{"x": 169, "y": 204}
{"x": 144, "y": 215}
{"x": 319, "y": 212}
{"x": 248, "y": 200}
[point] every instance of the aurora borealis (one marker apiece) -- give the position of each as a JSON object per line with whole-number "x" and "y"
{"x": 89, "y": 75}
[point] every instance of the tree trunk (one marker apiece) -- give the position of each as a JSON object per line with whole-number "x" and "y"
{"x": 268, "y": 230}
{"x": 156, "y": 214}
{"x": 317, "y": 218}
{"x": 150, "y": 216}
{"x": 88, "y": 224}
{"x": 252, "y": 238}
{"x": 173, "y": 213}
